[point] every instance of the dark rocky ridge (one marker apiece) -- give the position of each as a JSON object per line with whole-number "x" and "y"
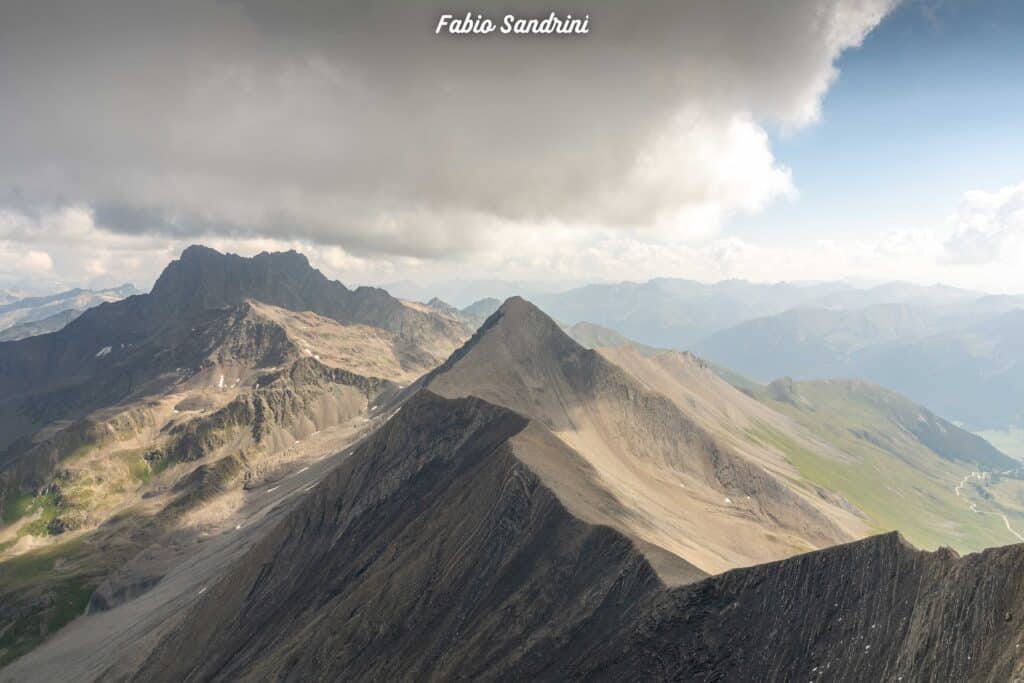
{"x": 434, "y": 553}
{"x": 873, "y": 610}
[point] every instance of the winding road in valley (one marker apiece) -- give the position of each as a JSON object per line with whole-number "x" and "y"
{"x": 974, "y": 507}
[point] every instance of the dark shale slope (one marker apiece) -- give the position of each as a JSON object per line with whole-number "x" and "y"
{"x": 873, "y": 610}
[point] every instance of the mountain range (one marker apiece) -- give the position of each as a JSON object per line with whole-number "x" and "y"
{"x": 918, "y": 340}
{"x": 254, "y": 472}
{"x": 923, "y": 353}
{"x": 24, "y": 316}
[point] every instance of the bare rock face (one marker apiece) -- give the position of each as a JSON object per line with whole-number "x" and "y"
{"x": 436, "y": 553}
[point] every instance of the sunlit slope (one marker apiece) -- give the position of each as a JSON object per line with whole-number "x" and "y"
{"x": 904, "y": 464}
{"x": 684, "y": 486}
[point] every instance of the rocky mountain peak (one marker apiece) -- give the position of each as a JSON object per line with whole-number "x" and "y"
{"x": 203, "y": 278}
{"x": 518, "y": 332}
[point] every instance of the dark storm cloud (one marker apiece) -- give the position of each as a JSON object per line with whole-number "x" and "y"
{"x": 351, "y": 123}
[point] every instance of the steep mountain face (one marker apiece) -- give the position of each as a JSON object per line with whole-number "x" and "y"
{"x": 528, "y": 510}
{"x": 34, "y": 309}
{"x": 218, "y": 367}
{"x": 437, "y": 552}
{"x": 684, "y": 489}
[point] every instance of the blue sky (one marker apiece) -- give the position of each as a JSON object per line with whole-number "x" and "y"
{"x": 930, "y": 106}
{"x": 677, "y": 140}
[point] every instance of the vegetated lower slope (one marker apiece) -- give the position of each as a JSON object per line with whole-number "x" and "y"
{"x": 81, "y": 500}
{"x": 684, "y": 489}
{"x": 438, "y": 552}
{"x": 907, "y": 468}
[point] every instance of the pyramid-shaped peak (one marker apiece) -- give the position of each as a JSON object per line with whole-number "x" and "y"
{"x": 520, "y": 317}
{"x": 519, "y": 332}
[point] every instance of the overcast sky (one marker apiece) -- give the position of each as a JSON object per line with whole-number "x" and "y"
{"x": 814, "y": 139}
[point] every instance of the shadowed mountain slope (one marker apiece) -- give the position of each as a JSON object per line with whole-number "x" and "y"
{"x": 436, "y": 552}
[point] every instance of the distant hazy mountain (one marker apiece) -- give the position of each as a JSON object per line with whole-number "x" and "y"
{"x": 473, "y": 315}
{"x": 676, "y": 313}
{"x": 463, "y": 293}
{"x": 482, "y": 309}
{"x": 963, "y": 361}
{"x": 596, "y": 337}
{"x": 44, "y": 326}
{"x": 36, "y": 308}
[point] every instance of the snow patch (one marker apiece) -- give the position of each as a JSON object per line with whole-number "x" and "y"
{"x": 103, "y": 352}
